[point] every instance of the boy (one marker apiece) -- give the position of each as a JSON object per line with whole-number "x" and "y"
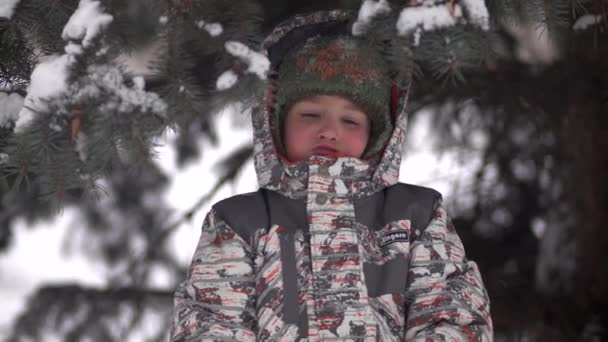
{"x": 331, "y": 247}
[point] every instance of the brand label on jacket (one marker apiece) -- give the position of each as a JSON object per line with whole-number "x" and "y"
{"x": 394, "y": 236}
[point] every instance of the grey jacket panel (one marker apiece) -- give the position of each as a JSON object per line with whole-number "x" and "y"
{"x": 265, "y": 208}
{"x": 398, "y": 202}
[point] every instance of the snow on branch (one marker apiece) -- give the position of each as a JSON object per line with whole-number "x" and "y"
{"x": 368, "y": 11}
{"x": 3, "y": 158}
{"x": 433, "y": 17}
{"x": 257, "y": 64}
{"x": 477, "y": 13}
{"x": 429, "y": 18}
{"x": 10, "y": 105}
{"x": 109, "y": 80}
{"x": 214, "y": 29}
{"x": 7, "y": 8}
{"x": 48, "y": 80}
{"x": 86, "y": 22}
{"x": 586, "y": 20}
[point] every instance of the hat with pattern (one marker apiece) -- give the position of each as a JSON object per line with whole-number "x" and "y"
{"x": 339, "y": 65}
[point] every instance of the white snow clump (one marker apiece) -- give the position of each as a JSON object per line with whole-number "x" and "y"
{"x": 431, "y": 17}
{"x": 109, "y": 79}
{"x": 369, "y": 9}
{"x": 86, "y": 22}
{"x": 226, "y": 80}
{"x": 257, "y": 62}
{"x": 10, "y": 105}
{"x": 586, "y": 20}
{"x": 214, "y": 29}
{"x": 7, "y": 8}
{"x": 477, "y": 13}
{"x": 48, "y": 80}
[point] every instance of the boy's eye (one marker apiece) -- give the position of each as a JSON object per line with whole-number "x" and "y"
{"x": 350, "y": 122}
{"x": 310, "y": 115}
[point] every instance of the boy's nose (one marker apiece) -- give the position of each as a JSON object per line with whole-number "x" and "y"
{"x": 327, "y": 132}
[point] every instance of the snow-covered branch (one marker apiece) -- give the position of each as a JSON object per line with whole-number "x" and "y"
{"x": 427, "y": 18}
{"x": 257, "y": 64}
{"x": 368, "y": 11}
{"x": 586, "y": 20}
{"x": 86, "y": 22}
{"x": 48, "y": 80}
{"x": 10, "y": 105}
{"x": 477, "y": 13}
{"x": 7, "y": 8}
{"x": 214, "y": 29}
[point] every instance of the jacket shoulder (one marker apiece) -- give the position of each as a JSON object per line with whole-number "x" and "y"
{"x": 415, "y": 202}
{"x": 244, "y": 213}
{"x": 415, "y": 192}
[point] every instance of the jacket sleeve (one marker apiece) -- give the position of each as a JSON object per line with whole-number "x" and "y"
{"x": 446, "y": 298}
{"x": 217, "y": 301}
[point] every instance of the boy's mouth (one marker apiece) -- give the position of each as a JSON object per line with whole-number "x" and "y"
{"x": 325, "y": 151}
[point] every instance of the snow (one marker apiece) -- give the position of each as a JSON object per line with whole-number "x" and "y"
{"x": 539, "y": 226}
{"x": 81, "y": 141}
{"x": 214, "y": 29}
{"x": 72, "y": 48}
{"x": 163, "y": 20}
{"x": 586, "y": 20}
{"x": 10, "y": 105}
{"x": 477, "y": 13}
{"x": 3, "y": 158}
{"x": 55, "y": 127}
{"x": 109, "y": 79}
{"x": 450, "y": 172}
{"x": 257, "y": 62}
{"x": 7, "y": 8}
{"x": 368, "y": 11}
{"x": 139, "y": 82}
{"x": 226, "y": 80}
{"x": 35, "y": 258}
{"x": 48, "y": 80}
{"x": 429, "y": 18}
{"x": 86, "y": 22}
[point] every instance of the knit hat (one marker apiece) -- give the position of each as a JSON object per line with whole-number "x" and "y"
{"x": 339, "y": 65}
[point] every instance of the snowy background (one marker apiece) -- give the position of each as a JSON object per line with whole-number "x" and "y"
{"x": 41, "y": 253}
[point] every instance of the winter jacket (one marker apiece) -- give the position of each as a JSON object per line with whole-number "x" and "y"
{"x": 330, "y": 249}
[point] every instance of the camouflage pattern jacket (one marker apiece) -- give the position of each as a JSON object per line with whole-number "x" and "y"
{"x": 330, "y": 249}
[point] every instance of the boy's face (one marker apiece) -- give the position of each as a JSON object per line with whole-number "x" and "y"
{"x": 325, "y": 125}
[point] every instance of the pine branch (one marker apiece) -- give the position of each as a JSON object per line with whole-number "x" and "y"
{"x": 229, "y": 169}
{"x": 74, "y": 313}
